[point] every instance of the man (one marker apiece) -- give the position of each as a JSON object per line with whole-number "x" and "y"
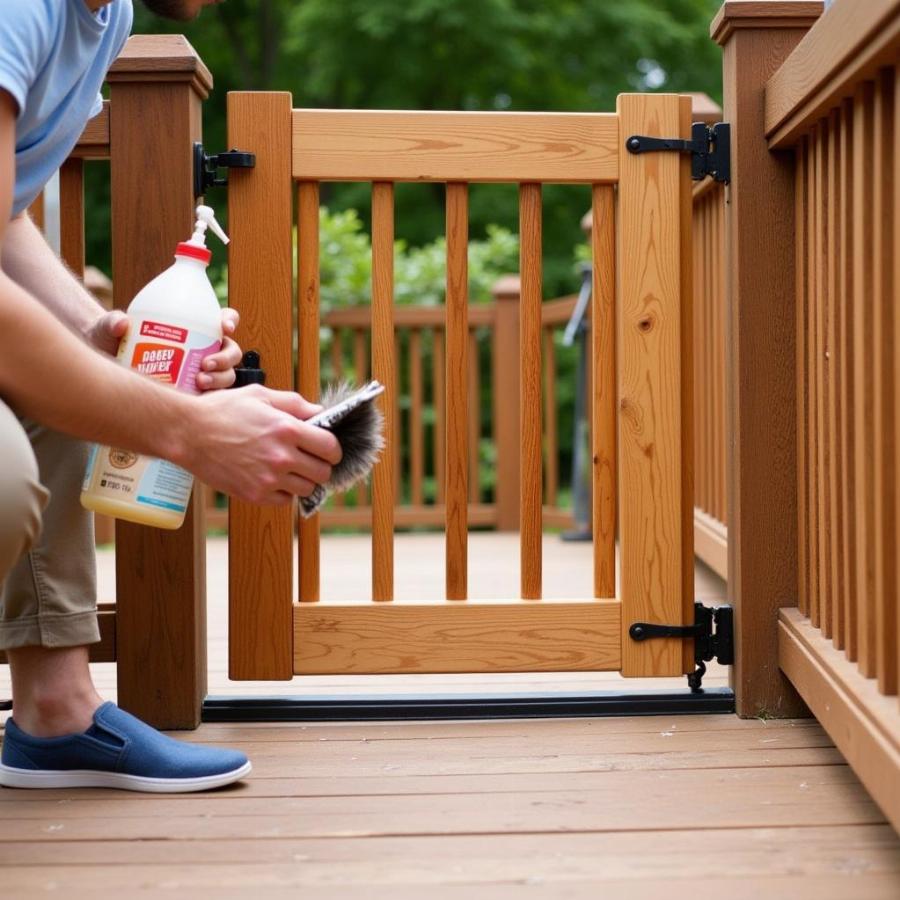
{"x": 58, "y": 388}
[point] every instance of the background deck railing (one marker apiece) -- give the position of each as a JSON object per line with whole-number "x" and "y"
{"x": 419, "y": 444}
{"x": 815, "y": 119}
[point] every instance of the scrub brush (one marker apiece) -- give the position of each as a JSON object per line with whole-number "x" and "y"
{"x": 351, "y": 415}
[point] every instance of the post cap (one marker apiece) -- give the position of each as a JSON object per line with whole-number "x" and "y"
{"x": 763, "y": 14}
{"x": 161, "y": 57}
{"x": 507, "y": 287}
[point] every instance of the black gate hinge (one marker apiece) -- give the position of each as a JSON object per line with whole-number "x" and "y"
{"x": 710, "y": 149}
{"x": 712, "y": 633}
{"x": 206, "y": 167}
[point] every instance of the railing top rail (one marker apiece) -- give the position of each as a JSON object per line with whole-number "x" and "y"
{"x": 430, "y": 146}
{"x": 845, "y": 47}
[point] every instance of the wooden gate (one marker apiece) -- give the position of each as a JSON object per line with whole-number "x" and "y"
{"x": 641, "y": 403}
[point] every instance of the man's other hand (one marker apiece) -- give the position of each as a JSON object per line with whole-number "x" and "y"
{"x": 108, "y": 329}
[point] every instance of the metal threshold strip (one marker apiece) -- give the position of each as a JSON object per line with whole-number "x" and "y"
{"x": 407, "y": 707}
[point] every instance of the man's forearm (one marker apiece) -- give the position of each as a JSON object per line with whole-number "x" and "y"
{"x": 54, "y": 378}
{"x": 30, "y": 262}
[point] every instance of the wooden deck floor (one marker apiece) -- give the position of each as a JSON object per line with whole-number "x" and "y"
{"x": 642, "y": 807}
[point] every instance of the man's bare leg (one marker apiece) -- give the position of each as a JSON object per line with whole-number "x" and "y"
{"x": 53, "y": 693}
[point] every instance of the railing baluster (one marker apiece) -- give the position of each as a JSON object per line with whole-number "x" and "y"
{"x": 440, "y": 425}
{"x": 308, "y": 362}
{"x": 801, "y": 211}
{"x": 71, "y": 215}
{"x": 848, "y": 441}
{"x": 384, "y": 369}
{"x": 603, "y": 354}
{"x": 863, "y": 283}
{"x": 361, "y": 374}
{"x": 474, "y": 416}
{"x": 530, "y": 268}
{"x": 417, "y": 438}
{"x": 882, "y": 362}
{"x": 822, "y": 301}
{"x": 832, "y": 385}
{"x": 457, "y": 413}
{"x": 551, "y": 448}
{"x": 810, "y": 369}
{"x": 337, "y": 374}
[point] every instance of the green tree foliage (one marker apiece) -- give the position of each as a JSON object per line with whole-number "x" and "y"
{"x": 447, "y": 54}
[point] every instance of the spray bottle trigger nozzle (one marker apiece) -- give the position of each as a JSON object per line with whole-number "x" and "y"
{"x": 207, "y": 215}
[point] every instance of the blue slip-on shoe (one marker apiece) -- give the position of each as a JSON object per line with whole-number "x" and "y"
{"x": 117, "y": 751}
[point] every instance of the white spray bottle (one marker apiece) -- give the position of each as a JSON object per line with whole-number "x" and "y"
{"x": 174, "y": 323}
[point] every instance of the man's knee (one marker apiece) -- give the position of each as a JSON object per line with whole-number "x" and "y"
{"x": 22, "y": 496}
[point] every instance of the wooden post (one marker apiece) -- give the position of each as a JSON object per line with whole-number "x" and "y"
{"x": 760, "y": 337}
{"x": 156, "y": 89}
{"x": 507, "y": 438}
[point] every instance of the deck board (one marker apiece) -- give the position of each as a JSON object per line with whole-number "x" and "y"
{"x": 549, "y": 809}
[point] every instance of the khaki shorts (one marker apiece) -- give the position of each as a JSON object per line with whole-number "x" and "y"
{"x": 47, "y": 570}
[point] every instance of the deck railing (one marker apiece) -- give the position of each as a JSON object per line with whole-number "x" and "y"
{"x": 830, "y": 135}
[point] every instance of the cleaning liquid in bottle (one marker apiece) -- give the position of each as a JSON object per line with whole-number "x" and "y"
{"x": 174, "y": 323}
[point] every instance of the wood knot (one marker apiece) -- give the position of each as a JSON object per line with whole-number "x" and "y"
{"x": 645, "y": 324}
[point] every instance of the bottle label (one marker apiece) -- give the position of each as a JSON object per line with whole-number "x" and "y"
{"x": 172, "y": 355}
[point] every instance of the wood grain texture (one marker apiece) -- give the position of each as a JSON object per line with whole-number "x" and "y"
{"x": 350, "y": 145}
{"x": 260, "y": 275}
{"x": 456, "y": 404}
{"x": 474, "y": 636}
{"x": 308, "y": 374}
{"x": 863, "y": 722}
{"x": 384, "y": 368}
{"x": 843, "y": 48}
{"x": 530, "y": 272}
{"x": 761, "y": 378}
{"x": 160, "y": 585}
{"x": 863, "y": 401}
{"x": 883, "y": 302}
{"x": 651, "y": 523}
{"x": 603, "y": 356}
{"x": 506, "y": 390}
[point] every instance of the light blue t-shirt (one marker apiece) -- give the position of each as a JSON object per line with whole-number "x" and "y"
{"x": 54, "y": 55}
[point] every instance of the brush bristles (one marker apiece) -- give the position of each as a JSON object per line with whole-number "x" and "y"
{"x": 360, "y": 434}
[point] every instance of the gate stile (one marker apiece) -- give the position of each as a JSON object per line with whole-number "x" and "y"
{"x": 641, "y": 355}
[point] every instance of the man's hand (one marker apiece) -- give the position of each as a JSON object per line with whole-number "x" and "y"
{"x": 108, "y": 329}
{"x": 253, "y": 443}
